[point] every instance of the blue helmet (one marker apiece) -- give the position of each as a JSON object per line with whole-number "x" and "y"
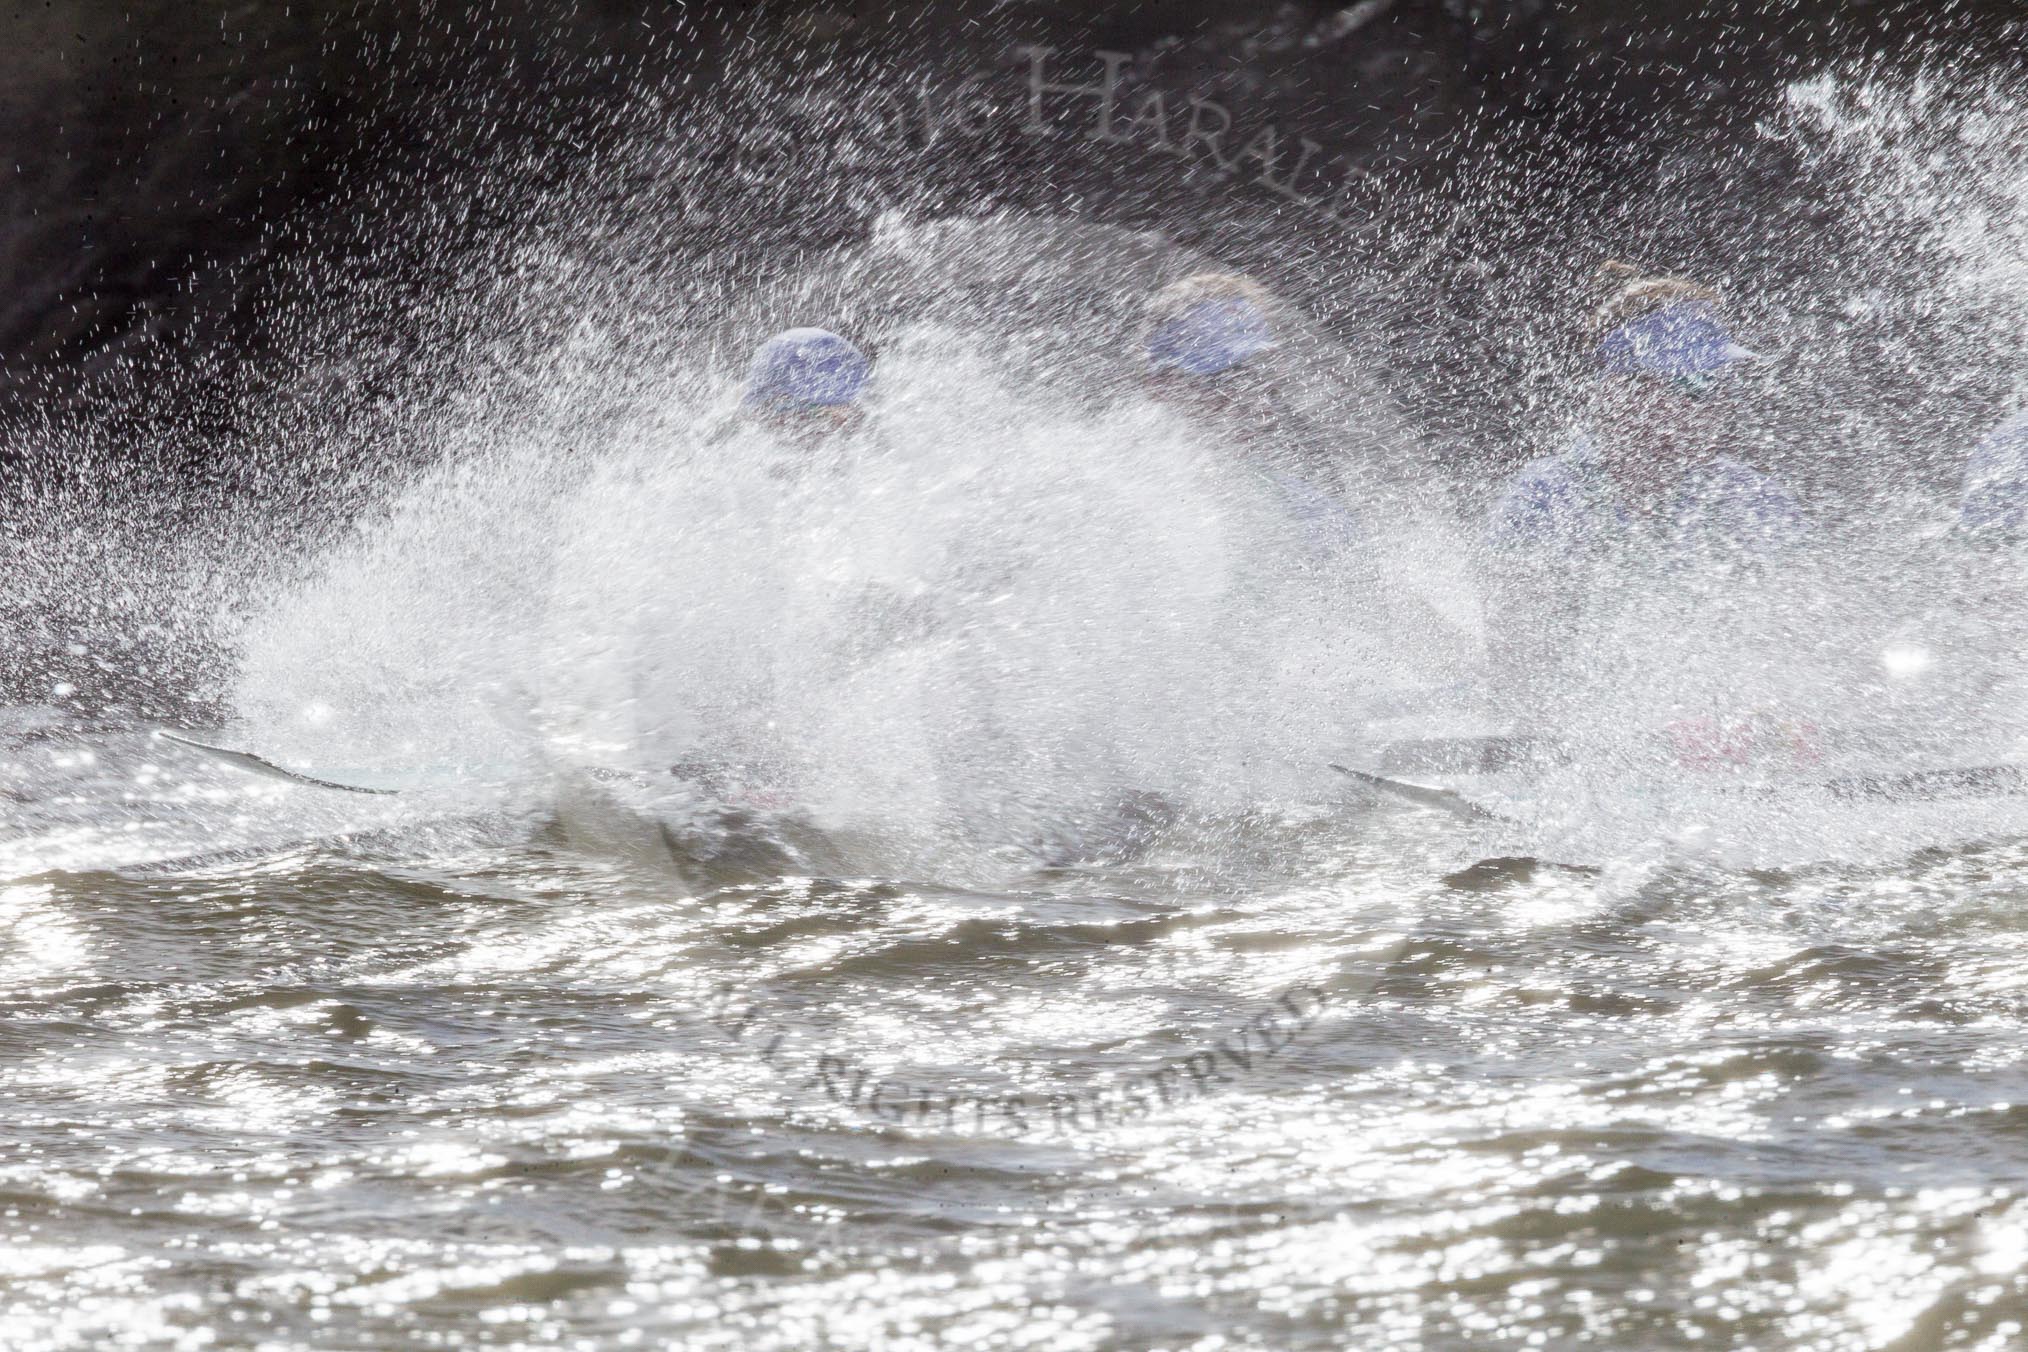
{"x": 1210, "y": 336}
{"x": 805, "y": 368}
{"x": 1684, "y": 340}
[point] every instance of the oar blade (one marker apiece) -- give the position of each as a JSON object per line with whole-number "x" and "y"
{"x": 265, "y": 768}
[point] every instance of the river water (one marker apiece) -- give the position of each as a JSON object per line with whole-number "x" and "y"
{"x": 420, "y": 1076}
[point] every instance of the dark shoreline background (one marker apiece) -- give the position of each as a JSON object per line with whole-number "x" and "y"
{"x": 175, "y": 164}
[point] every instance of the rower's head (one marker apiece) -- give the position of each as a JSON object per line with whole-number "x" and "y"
{"x": 806, "y": 383}
{"x": 1206, "y": 344}
{"x": 1666, "y": 355}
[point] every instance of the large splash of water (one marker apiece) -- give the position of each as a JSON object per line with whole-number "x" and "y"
{"x": 987, "y": 618}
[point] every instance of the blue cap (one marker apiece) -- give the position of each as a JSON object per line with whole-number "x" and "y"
{"x": 1681, "y": 341}
{"x": 806, "y": 368}
{"x": 1678, "y": 341}
{"x": 1211, "y": 336}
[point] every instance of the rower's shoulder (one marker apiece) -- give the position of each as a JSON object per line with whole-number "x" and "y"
{"x": 1993, "y": 497}
{"x": 1545, "y": 485}
{"x": 1999, "y": 460}
{"x": 2003, "y": 449}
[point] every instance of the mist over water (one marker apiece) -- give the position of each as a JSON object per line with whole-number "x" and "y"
{"x": 889, "y": 890}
